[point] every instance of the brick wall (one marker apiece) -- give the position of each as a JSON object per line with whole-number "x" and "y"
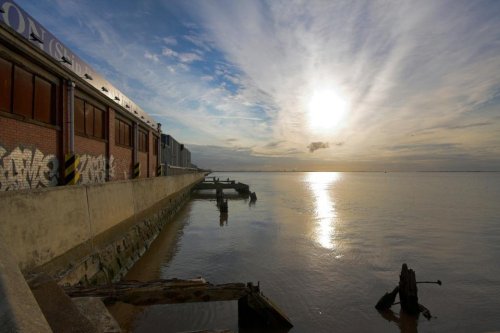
{"x": 122, "y": 163}
{"x": 122, "y": 156}
{"x": 143, "y": 159}
{"x": 29, "y": 155}
{"x": 94, "y": 163}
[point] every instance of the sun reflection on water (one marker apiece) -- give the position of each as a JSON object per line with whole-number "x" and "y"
{"x": 326, "y": 216}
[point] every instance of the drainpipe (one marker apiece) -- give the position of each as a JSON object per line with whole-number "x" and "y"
{"x": 71, "y": 160}
{"x": 71, "y": 117}
{"x": 158, "y": 156}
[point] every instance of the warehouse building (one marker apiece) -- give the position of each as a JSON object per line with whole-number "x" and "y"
{"x": 55, "y": 110}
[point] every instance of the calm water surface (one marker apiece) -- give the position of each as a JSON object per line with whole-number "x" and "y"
{"x": 326, "y": 246}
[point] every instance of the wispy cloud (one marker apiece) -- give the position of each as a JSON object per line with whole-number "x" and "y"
{"x": 170, "y": 40}
{"x": 421, "y": 78}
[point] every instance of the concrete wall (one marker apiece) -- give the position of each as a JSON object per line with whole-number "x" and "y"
{"x": 43, "y": 225}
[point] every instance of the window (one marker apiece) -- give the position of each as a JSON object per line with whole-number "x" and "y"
{"x": 155, "y": 146}
{"x": 26, "y": 94}
{"x": 43, "y": 100}
{"x": 98, "y": 123}
{"x": 143, "y": 141}
{"x": 23, "y": 92}
{"x": 89, "y": 119}
{"x": 79, "y": 116}
{"x": 122, "y": 133}
{"x": 5, "y": 85}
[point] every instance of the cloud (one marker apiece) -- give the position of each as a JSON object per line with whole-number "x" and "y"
{"x": 151, "y": 56}
{"x": 313, "y": 146}
{"x": 169, "y": 52}
{"x": 189, "y": 57}
{"x": 182, "y": 57}
{"x": 170, "y": 40}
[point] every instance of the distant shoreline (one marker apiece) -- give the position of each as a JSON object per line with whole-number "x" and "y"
{"x": 409, "y": 171}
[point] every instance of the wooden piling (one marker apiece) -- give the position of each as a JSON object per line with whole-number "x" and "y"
{"x": 408, "y": 293}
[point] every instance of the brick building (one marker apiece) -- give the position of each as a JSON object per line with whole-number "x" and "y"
{"x": 53, "y": 106}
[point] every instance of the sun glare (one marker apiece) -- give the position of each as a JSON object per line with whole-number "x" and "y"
{"x": 327, "y": 110}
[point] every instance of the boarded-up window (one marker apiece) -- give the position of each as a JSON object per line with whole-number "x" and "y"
{"x": 23, "y": 93}
{"x": 143, "y": 138}
{"x": 117, "y": 131}
{"x": 26, "y": 94}
{"x": 5, "y": 85}
{"x": 43, "y": 100}
{"x": 89, "y": 119}
{"x": 79, "y": 116}
{"x": 98, "y": 123}
{"x": 122, "y": 133}
{"x": 155, "y": 146}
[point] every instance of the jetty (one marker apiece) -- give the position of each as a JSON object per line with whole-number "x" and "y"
{"x": 214, "y": 183}
{"x": 254, "y": 309}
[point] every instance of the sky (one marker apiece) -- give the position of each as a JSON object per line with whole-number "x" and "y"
{"x": 302, "y": 85}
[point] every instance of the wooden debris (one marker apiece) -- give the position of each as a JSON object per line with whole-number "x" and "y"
{"x": 161, "y": 292}
{"x": 386, "y": 301}
{"x": 253, "y": 305}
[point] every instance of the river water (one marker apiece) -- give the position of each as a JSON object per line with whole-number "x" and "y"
{"x": 326, "y": 246}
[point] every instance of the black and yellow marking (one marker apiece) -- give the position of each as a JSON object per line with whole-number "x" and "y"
{"x": 158, "y": 170}
{"x": 71, "y": 174}
{"x": 137, "y": 170}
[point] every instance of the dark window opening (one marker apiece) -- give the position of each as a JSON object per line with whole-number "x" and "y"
{"x": 26, "y": 94}
{"x": 122, "y": 133}
{"x": 143, "y": 141}
{"x": 43, "y": 100}
{"x": 5, "y": 85}
{"x": 89, "y": 120}
{"x": 23, "y": 93}
{"x": 155, "y": 146}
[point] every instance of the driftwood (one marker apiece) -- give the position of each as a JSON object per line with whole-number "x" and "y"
{"x": 253, "y": 306}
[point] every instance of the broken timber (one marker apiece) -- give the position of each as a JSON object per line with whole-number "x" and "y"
{"x": 252, "y": 304}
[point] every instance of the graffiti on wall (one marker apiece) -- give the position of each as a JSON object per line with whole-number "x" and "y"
{"x": 93, "y": 169}
{"x": 26, "y": 168}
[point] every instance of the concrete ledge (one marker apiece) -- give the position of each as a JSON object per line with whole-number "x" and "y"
{"x": 43, "y": 224}
{"x": 39, "y": 225}
{"x": 19, "y": 311}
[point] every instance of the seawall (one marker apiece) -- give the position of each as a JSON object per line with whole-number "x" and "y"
{"x": 89, "y": 233}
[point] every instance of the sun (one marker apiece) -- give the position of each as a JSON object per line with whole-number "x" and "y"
{"x": 326, "y": 110}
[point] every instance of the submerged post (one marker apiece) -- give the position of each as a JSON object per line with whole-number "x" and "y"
{"x": 408, "y": 291}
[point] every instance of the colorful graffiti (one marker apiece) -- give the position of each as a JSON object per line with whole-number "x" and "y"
{"x": 93, "y": 169}
{"x": 26, "y": 168}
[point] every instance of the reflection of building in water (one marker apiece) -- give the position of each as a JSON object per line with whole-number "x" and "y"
{"x": 320, "y": 184}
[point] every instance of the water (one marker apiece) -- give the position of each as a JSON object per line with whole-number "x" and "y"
{"x": 326, "y": 246}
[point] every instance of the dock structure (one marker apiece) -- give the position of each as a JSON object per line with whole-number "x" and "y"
{"x": 214, "y": 183}
{"x": 253, "y": 307}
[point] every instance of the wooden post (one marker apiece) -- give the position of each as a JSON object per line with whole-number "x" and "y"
{"x": 408, "y": 291}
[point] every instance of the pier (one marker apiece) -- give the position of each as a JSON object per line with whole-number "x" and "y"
{"x": 214, "y": 183}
